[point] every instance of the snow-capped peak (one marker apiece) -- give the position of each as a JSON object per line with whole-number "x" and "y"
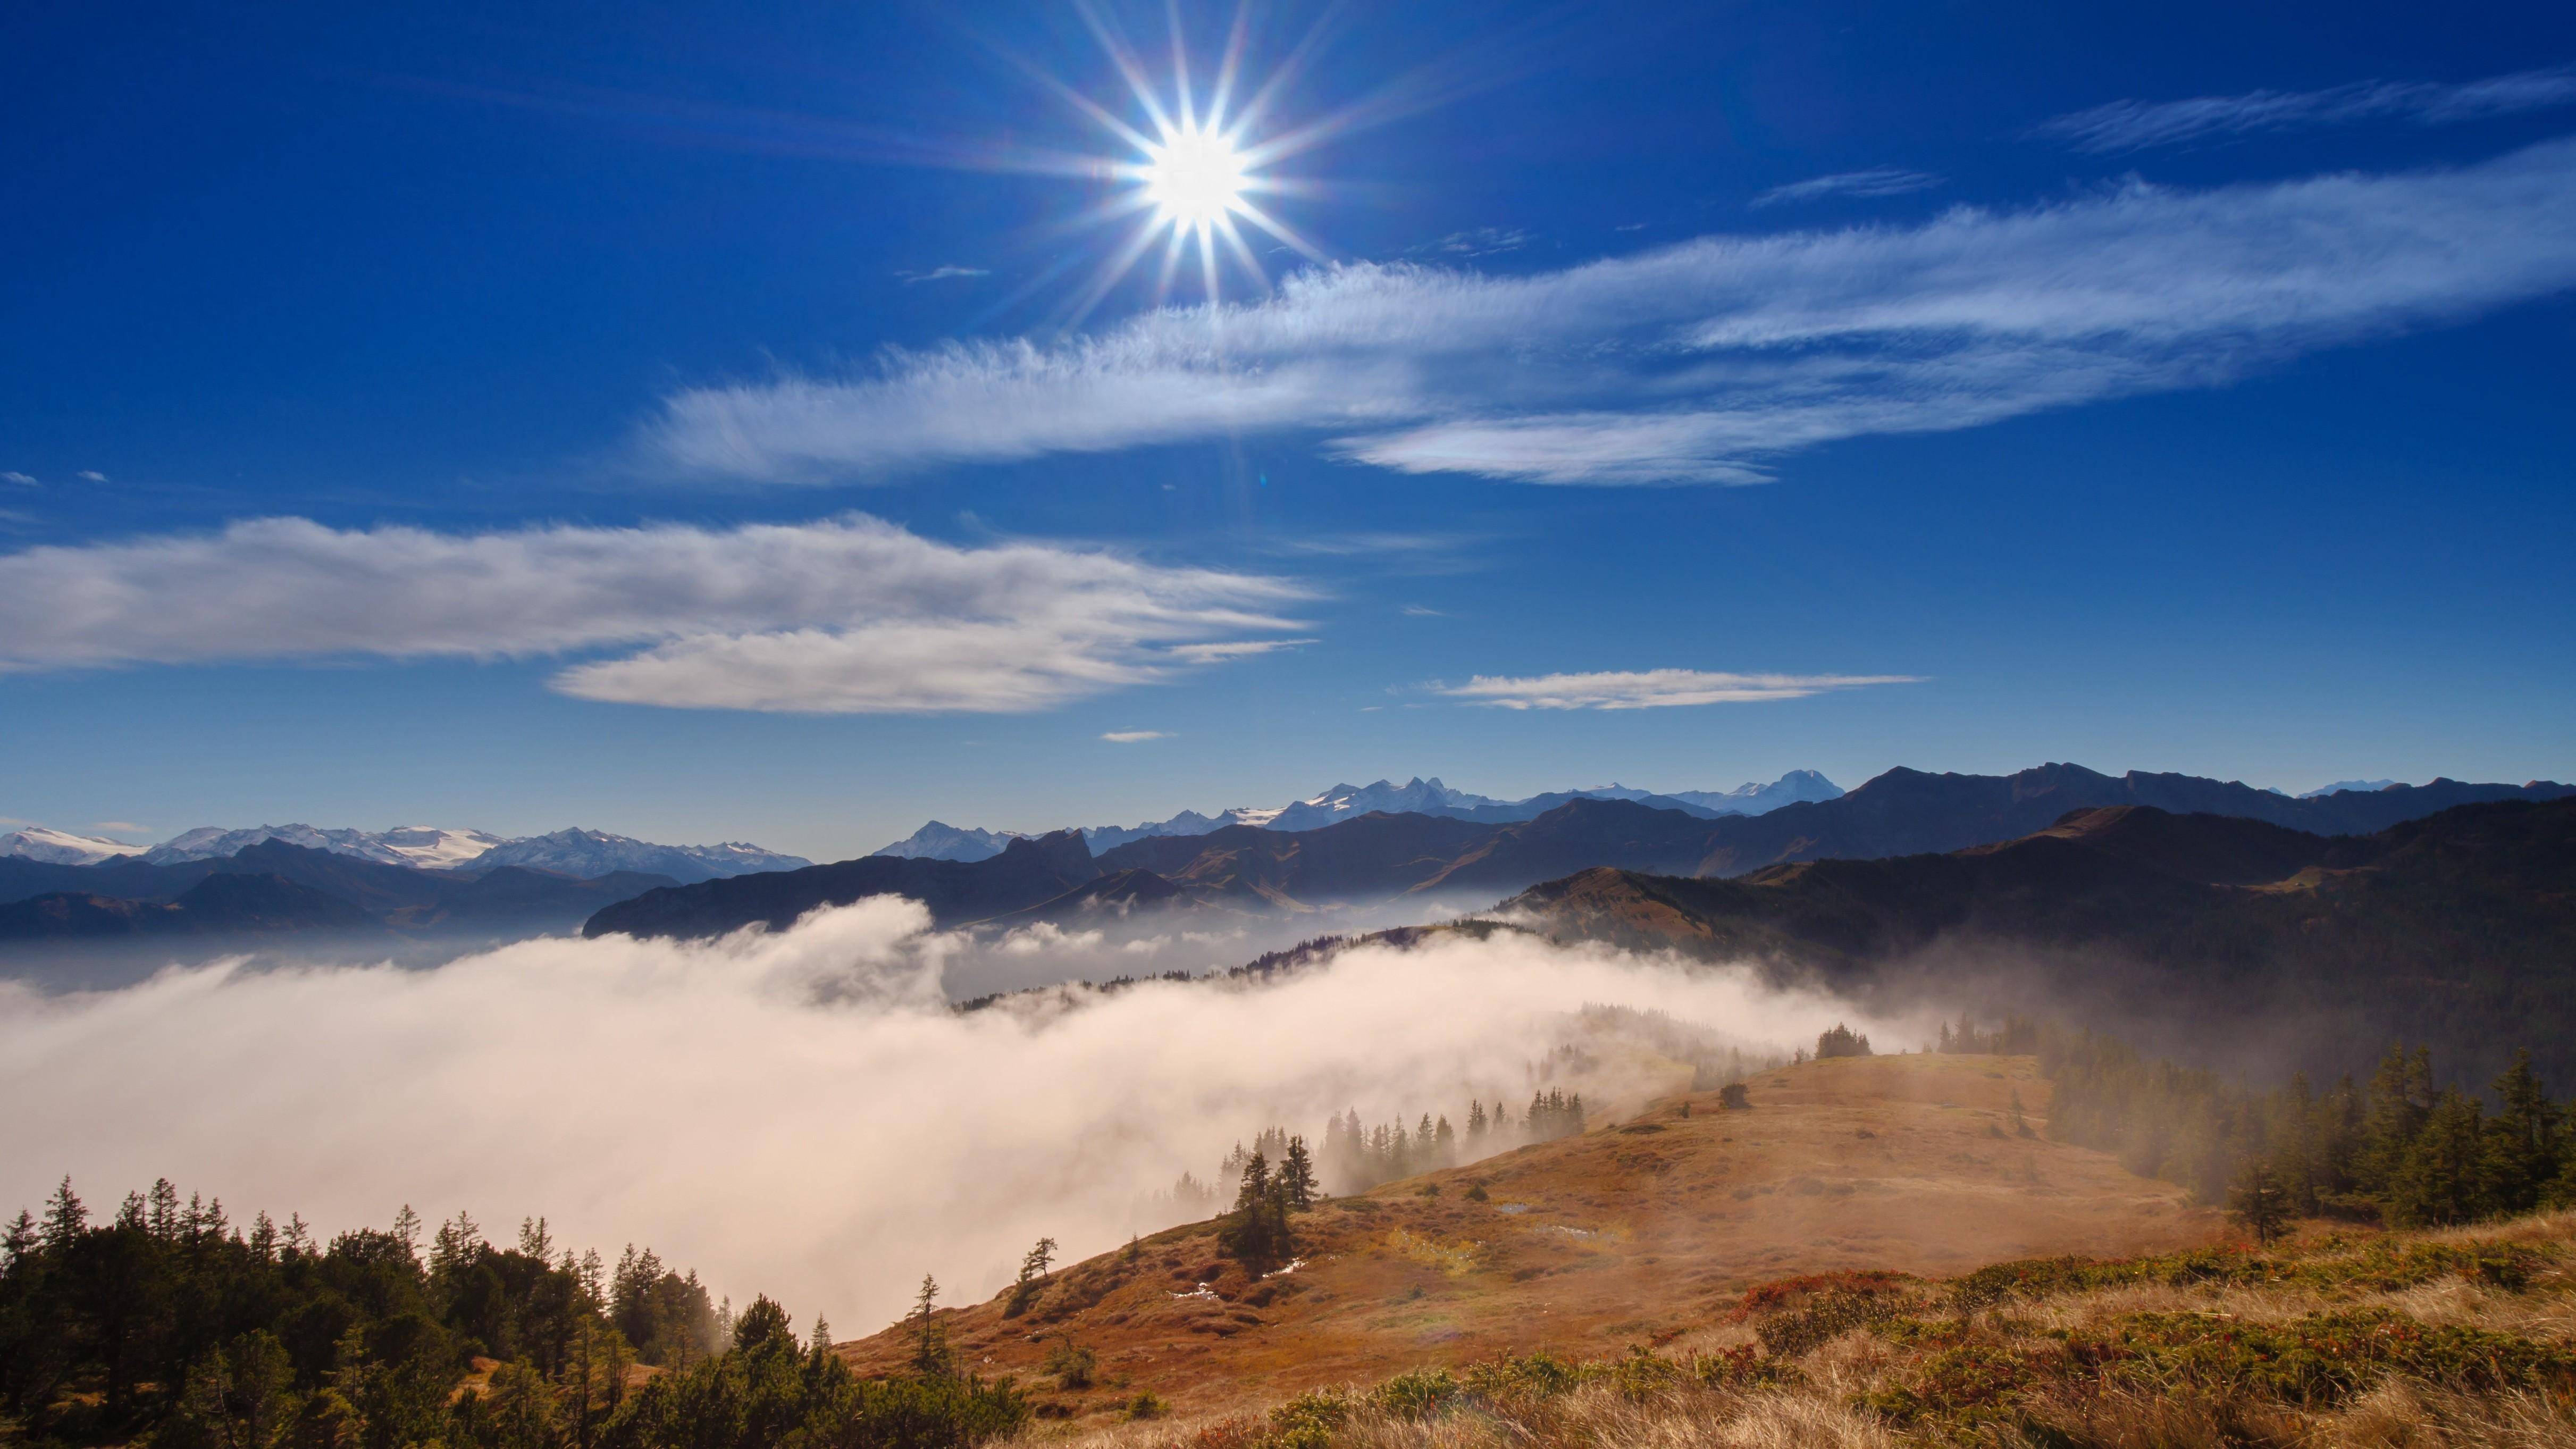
{"x": 61, "y": 847}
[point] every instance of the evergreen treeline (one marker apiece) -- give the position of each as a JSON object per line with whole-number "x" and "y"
{"x": 167, "y": 1322}
{"x": 2395, "y": 1147}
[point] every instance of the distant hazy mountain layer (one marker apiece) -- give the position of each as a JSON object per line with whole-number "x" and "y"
{"x": 570, "y": 852}
{"x": 939, "y": 840}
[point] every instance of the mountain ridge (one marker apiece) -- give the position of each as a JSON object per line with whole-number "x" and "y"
{"x": 2457, "y": 929}
{"x": 1343, "y": 801}
{"x": 1381, "y": 857}
{"x": 589, "y": 853}
{"x": 314, "y": 890}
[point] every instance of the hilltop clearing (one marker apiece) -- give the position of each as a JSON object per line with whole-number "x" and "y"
{"x": 1633, "y": 1232}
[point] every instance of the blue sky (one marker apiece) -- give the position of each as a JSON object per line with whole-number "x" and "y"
{"x": 687, "y": 422}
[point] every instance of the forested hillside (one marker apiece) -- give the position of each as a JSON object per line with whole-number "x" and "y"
{"x": 169, "y": 1324}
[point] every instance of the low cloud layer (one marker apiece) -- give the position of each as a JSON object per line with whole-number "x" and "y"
{"x": 2136, "y": 125}
{"x": 1652, "y": 688}
{"x": 848, "y": 615}
{"x": 796, "y": 1113}
{"x": 1703, "y": 362}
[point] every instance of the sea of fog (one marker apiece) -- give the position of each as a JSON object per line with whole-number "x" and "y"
{"x": 800, "y": 1113}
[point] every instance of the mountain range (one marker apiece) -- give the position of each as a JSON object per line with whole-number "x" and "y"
{"x": 2457, "y": 930}
{"x": 585, "y": 853}
{"x": 938, "y": 840}
{"x": 272, "y": 887}
{"x": 1380, "y": 856}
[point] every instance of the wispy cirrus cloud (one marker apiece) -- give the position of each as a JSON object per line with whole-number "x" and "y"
{"x": 1707, "y": 361}
{"x": 1876, "y": 181}
{"x": 2137, "y": 125}
{"x": 1134, "y": 737}
{"x": 1225, "y": 649}
{"x": 1483, "y": 241}
{"x": 1652, "y": 688}
{"x": 23, "y": 480}
{"x": 850, "y": 615}
{"x": 945, "y": 273}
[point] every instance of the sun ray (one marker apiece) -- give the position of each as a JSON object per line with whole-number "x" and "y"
{"x": 1281, "y": 230}
{"x": 1243, "y": 252}
{"x": 1230, "y": 66}
{"x": 1181, "y": 67}
{"x": 1111, "y": 270}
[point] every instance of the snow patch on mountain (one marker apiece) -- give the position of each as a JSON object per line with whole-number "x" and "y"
{"x": 587, "y": 854}
{"x": 2340, "y": 786}
{"x": 61, "y": 847}
{"x": 594, "y": 853}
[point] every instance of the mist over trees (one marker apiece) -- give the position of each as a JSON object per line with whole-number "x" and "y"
{"x": 2393, "y": 1148}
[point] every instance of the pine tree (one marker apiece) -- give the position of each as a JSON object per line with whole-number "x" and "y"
{"x": 1256, "y": 1232}
{"x": 65, "y": 1217}
{"x": 2439, "y": 1179}
{"x": 1475, "y": 1122}
{"x": 1297, "y": 1176}
{"x": 1032, "y": 1278}
{"x": 931, "y": 1357}
{"x": 2400, "y": 1101}
{"x": 2259, "y": 1204}
{"x": 2523, "y": 1147}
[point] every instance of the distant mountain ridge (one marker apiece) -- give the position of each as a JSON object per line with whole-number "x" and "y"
{"x": 938, "y": 840}
{"x": 273, "y": 887}
{"x": 586, "y": 853}
{"x": 1378, "y": 857}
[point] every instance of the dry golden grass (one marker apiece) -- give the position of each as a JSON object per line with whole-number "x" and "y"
{"x": 1882, "y": 1384}
{"x": 1648, "y": 1229}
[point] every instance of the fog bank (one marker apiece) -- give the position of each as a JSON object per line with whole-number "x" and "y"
{"x": 797, "y": 1113}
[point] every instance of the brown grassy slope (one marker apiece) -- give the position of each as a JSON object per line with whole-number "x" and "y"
{"x": 2453, "y": 1340}
{"x": 1631, "y": 1233}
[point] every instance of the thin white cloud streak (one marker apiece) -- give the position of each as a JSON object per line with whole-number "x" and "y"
{"x": 1706, "y": 361}
{"x": 1876, "y": 181}
{"x": 1134, "y": 737}
{"x": 2131, "y": 125}
{"x": 848, "y": 615}
{"x": 21, "y": 479}
{"x": 1653, "y": 688}
{"x": 947, "y": 273}
{"x": 1223, "y": 650}
{"x": 797, "y": 1113}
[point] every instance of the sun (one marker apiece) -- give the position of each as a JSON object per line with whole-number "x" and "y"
{"x": 1195, "y": 178}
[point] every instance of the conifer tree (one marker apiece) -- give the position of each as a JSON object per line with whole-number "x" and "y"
{"x": 2523, "y": 1146}
{"x": 2439, "y": 1179}
{"x": 931, "y": 1357}
{"x": 2259, "y": 1204}
{"x": 1297, "y": 1176}
{"x": 2401, "y": 1099}
{"x": 65, "y": 1216}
